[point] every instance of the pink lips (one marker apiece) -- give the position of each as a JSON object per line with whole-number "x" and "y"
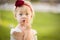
{"x": 23, "y": 20}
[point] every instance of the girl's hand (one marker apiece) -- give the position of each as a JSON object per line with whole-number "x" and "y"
{"x": 18, "y": 35}
{"x": 25, "y": 23}
{"x": 28, "y": 35}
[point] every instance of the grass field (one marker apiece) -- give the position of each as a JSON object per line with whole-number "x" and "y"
{"x": 46, "y": 24}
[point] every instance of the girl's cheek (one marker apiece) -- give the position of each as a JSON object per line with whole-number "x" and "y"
{"x": 18, "y": 18}
{"x": 29, "y": 17}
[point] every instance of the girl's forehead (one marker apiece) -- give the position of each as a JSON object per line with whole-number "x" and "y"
{"x": 23, "y": 9}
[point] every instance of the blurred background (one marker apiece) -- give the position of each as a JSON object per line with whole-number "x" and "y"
{"x": 46, "y": 21}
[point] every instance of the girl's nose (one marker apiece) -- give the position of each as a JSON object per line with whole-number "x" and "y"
{"x": 23, "y": 15}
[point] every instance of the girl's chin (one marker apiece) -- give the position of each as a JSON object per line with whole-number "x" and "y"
{"x": 23, "y": 23}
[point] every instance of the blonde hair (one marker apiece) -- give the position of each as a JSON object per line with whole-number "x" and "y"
{"x": 30, "y": 6}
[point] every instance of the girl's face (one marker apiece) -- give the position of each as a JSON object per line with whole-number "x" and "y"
{"x": 23, "y": 15}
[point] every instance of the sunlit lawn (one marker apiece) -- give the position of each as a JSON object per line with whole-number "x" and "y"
{"x": 46, "y": 24}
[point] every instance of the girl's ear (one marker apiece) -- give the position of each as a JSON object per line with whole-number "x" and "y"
{"x": 31, "y": 16}
{"x": 15, "y": 15}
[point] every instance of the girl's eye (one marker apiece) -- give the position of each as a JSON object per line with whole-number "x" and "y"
{"x": 26, "y": 13}
{"x": 20, "y": 14}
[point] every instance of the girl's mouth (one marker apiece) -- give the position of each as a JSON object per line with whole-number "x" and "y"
{"x": 23, "y": 20}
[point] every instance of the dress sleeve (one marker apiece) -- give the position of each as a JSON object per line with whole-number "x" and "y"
{"x": 35, "y": 35}
{"x": 15, "y": 30}
{"x": 12, "y": 31}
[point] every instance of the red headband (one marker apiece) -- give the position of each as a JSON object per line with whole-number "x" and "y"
{"x": 20, "y": 3}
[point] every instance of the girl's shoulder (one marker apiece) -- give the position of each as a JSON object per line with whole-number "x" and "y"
{"x": 34, "y": 31}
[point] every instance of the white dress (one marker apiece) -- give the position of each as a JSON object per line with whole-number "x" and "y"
{"x": 19, "y": 30}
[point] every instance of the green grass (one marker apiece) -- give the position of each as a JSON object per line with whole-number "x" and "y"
{"x": 46, "y": 24}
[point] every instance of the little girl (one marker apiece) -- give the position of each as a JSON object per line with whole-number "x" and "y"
{"x": 24, "y": 14}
